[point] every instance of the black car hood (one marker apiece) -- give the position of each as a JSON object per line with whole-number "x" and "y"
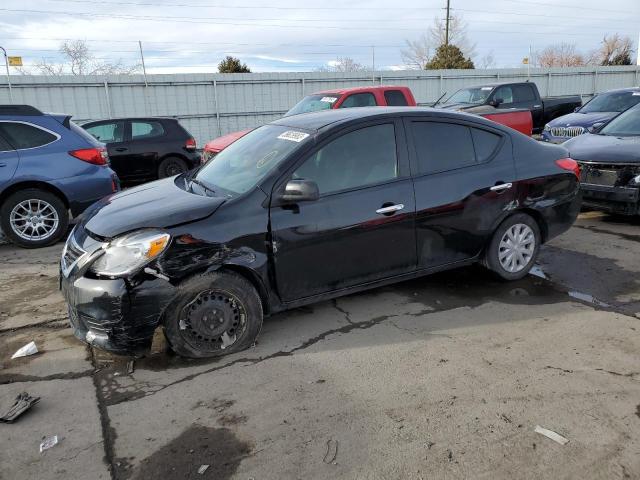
{"x": 604, "y": 148}
{"x": 159, "y": 204}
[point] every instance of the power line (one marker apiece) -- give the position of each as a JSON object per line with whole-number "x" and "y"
{"x": 208, "y": 21}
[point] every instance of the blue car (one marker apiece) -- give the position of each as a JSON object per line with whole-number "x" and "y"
{"x": 599, "y": 110}
{"x": 50, "y": 171}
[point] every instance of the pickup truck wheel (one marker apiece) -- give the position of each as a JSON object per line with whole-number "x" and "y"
{"x": 213, "y": 314}
{"x": 514, "y": 247}
{"x": 33, "y": 218}
{"x": 171, "y": 166}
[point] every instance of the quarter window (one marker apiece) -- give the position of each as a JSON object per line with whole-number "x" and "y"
{"x": 142, "y": 130}
{"x": 359, "y": 158}
{"x": 395, "y": 98}
{"x": 485, "y": 144}
{"x": 108, "y": 132}
{"x": 359, "y": 100}
{"x": 4, "y": 145}
{"x": 22, "y": 135}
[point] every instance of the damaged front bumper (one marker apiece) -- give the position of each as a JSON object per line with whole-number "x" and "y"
{"x": 623, "y": 200}
{"x": 118, "y": 315}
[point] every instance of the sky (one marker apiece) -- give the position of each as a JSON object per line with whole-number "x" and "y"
{"x": 190, "y": 36}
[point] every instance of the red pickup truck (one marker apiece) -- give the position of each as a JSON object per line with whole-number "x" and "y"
{"x": 383, "y": 96}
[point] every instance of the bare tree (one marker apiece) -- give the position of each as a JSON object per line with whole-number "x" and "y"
{"x": 78, "y": 60}
{"x": 343, "y": 64}
{"x": 559, "y": 55}
{"x": 419, "y": 52}
{"x": 614, "y": 50}
{"x": 487, "y": 60}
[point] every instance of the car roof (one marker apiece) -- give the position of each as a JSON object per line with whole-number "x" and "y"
{"x": 315, "y": 121}
{"x": 119, "y": 119}
{"x": 619, "y": 90}
{"x": 360, "y": 89}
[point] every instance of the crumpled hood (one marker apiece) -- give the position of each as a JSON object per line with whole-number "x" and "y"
{"x": 159, "y": 204}
{"x": 578, "y": 119}
{"x": 604, "y": 148}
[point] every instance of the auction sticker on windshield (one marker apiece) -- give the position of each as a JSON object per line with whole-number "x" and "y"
{"x": 293, "y": 136}
{"x": 328, "y": 99}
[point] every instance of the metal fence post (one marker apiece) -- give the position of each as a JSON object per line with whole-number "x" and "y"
{"x": 302, "y": 85}
{"x": 548, "y": 84}
{"x": 215, "y": 99}
{"x": 595, "y": 81}
{"x": 106, "y": 94}
{"x": 440, "y": 87}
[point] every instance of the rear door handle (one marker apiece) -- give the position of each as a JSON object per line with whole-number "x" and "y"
{"x": 501, "y": 187}
{"x": 2, "y": 164}
{"x": 390, "y": 209}
{"x": 121, "y": 149}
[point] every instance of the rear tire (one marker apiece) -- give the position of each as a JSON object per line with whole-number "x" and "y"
{"x": 171, "y": 166}
{"x": 33, "y": 218}
{"x": 213, "y": 314}
{"x": 514, "y": 247}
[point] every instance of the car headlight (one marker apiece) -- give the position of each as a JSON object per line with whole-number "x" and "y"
{"x": 547, "y": 128}
{"x": 635, "y": 181}
{"x": 126, "y": 254}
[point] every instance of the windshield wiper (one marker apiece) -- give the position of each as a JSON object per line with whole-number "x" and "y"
{"x": 203, "y": 185}
{"x": 438, "y": 101}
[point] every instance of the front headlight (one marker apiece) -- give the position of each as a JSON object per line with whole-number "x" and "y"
{"x": 547, "y": 128}
{"x": 128, "y": 253}
{"x": 635, "y": 181}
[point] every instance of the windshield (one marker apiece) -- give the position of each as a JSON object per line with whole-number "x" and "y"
{"x": 625, "y": 124}
{"x": 314, "y": 103}
{"x": 240, "y": 166}
{"x": 476, "y": 95}
{"x": 612, "y": 102}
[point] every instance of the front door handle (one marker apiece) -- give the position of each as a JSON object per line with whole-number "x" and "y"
{"x": 2, "y": 164}
{"x": 501, "y": 187}
{"x": 390, "y": 209}
{"x": 121, "y": 149}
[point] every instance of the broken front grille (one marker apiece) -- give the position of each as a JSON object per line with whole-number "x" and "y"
{"x": 610, "y": 175}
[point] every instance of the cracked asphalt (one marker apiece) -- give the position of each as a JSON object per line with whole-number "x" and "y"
{"x": 441, "y": 377}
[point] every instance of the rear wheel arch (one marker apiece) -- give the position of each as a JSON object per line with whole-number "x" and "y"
{"x": 542, "y": 223}
{"x": 23, "y": 185}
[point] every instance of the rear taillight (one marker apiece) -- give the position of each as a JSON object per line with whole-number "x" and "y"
{"x": 190, "y": 144}
{"x": 96, "y": 156}
{"x": 569, "y": 164}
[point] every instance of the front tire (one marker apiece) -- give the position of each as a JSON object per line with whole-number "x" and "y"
{"x": 514, "y": 247}
{"x": 171, "y": 166}
{"x": 33, "y": 218}
{"x": 213, "y": 314}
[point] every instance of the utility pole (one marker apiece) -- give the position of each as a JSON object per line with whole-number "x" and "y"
{"x": 446, "y": 35}
{"x": 144, "y": 70}
{"x": 6, "y": 62}
{"x": 373, "y": 64}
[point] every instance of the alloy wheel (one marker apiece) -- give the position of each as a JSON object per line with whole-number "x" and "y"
{"x": 34, "y": 219}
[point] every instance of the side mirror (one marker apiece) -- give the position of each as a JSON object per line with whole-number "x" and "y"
{"x": 595, "y": 127}
{"x": 496, "y": 102}
{"x": 577, "y": 109}
{"x": 300, "y": 191}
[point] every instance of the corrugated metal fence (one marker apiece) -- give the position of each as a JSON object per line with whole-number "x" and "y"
{"x": 210, "y": 105}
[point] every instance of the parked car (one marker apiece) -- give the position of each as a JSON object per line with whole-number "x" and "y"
{"x": 144, "y": 149}
{"x": 512, "y": 95}
{"x": 307, "y": 208}
{"x": 369, "y": 96}
{"x": 50, "y": 171}
{"x": 596, "y": 112}
{"x": 610, "y": 164}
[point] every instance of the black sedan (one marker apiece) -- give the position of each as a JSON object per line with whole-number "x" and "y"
{"x": 144, "y": 149}
{"x": 610, "y": 164}
{"x": 307, "y": 208}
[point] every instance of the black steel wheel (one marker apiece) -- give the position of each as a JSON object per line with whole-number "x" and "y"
{"x": 171, "y": 166}
{"x": 213, "y": 314}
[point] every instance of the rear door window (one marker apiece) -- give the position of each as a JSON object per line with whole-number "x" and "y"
{"x": 146, "y": 129}
{"x": 23, "y": 135}
{"x": 108, "y": 132}
{"x": 4, "y": 145}
{"x": 442, "y": 146}
{"x": 523, "y": 94}
{"x": 363, "y": 157}
{"x": 395, "y": 98}
{"x": 359, "y": 100}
